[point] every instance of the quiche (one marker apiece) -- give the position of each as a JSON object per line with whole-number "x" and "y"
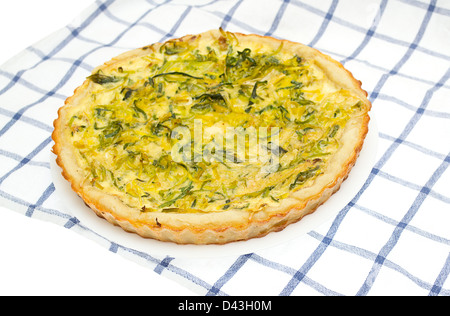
{"x": 211, "y": 138}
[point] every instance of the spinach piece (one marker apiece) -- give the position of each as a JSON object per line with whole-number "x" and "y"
{"x": 102, "y": 79}
{"x": 158, "y": 128}
{"x": 183, "y": 192}
{"x": 127, "y": 94}
{"x": 295, "y": 85}
{"x": 303, "y": 176}
{"x": 263, "y": 193}
{"x": 151, "y": 80}
{"x": 207, "y": 102}
{"x": 174, "y": 47}
{"x": 201, "y": 108}
{"x": 138, "y": 111}
{"x": 254, "y": 95}
{"x": 334, "y": 130}
{"x": 210, "y": 97}
{"x": 240, "y": 66}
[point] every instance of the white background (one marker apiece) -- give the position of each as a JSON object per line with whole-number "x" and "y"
{"x": 40, "y": 258}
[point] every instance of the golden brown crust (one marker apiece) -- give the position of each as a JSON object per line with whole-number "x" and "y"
{"x": 237, "y": 225}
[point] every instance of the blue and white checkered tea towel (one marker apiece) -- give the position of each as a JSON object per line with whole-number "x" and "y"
{"x": 392, "y": 237}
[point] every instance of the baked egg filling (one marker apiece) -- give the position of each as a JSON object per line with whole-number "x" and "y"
{"x": 209, "y": 125}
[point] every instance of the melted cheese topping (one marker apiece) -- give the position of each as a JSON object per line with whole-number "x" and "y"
{"x": 208, "y": 126}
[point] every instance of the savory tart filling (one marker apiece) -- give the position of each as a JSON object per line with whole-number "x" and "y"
{"x": 208, "y": 124}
